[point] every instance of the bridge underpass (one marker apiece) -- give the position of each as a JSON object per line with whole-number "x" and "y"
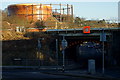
{"x": 82, "y": 48}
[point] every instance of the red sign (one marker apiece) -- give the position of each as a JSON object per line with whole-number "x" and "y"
{"x": 86, "y": 29}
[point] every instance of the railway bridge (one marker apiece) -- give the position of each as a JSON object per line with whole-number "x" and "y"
{"x": 81, "y": 46}
{"x": 84, "y": 46}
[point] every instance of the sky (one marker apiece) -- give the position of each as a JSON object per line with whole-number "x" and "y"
{"x": 91, "y": 9}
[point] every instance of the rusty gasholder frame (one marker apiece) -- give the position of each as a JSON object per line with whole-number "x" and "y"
{"x": 41, "y": 11}
{"x": 61, "y": 10}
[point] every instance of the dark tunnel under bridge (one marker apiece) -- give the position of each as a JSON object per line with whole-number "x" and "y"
{"x": 82, "y": 48}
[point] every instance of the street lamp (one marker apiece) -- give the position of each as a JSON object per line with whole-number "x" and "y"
{"x": 64, "y": 45}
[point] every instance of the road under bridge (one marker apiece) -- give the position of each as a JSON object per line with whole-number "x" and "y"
{"x": 84, "y": 46}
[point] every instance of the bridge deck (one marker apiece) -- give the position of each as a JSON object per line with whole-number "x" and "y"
{"x": 80, "y": 29}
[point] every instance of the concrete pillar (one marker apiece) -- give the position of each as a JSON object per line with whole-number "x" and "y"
{"x": 91, "y": 66}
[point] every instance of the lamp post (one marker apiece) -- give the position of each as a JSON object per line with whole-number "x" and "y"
{"x": 64, "y": 45}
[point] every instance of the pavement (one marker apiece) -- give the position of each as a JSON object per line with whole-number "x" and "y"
{"x": 108, "y": 75}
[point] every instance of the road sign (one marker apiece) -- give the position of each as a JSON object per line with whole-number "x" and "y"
{"x": 102, "y": 36}
{"x": 39, "y": 44}
{"x": 64, "y": 43}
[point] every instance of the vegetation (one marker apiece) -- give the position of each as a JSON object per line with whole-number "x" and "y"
{"x": 39, "y": 24}
{"x": 66, "y": 21}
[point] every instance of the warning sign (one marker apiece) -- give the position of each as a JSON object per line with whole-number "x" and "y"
{"x": 86, "y": 29}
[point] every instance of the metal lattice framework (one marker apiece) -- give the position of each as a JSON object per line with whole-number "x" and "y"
{"x": 41, "y": 11}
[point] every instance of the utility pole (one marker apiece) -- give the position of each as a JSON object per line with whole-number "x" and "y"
{"x": 103, "y": 69}
{"x": 103, "y": 38}
{"x": 57, "y": 51}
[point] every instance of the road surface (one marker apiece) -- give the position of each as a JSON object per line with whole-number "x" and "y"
{"x": 35, "y": 75}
